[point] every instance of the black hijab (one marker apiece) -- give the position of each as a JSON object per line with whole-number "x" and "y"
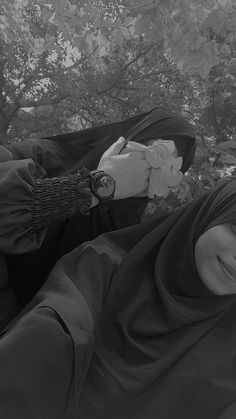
{"x": 135, "y": 334}
{"x": 87, "y": 146}
{"x": 165, "y": 345}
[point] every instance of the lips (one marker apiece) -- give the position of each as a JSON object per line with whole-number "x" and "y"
{"x": 228, "y": 268}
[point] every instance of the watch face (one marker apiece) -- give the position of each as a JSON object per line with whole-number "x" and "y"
{"x": 105, "y": 186}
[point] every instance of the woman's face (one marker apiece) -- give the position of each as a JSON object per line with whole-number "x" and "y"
{"x": 215, "y": 256}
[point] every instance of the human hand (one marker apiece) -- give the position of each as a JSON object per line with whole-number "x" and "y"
{"x": 133, "y": 146}
{"x": 131, "y": 171}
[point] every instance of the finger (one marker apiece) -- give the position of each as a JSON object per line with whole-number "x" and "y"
{"x": 134, "y": 146}
{"x": 136, "y": 161}
{"x": 115, "y": 148}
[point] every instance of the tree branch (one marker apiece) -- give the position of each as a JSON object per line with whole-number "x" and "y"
{"x": 81, "y": 60}
{"x": 28, "y": 79}
{"x": 2, "y": 80}
{"x": 194, "y": 117}
{"x": 44, "y": 102}
{"x": 215, "y": 123}
{"x": 152, "y": 73}
{"x": 118, "y": 99}
{"x": 39, "y": 129}
{"x": 114, "y": 84}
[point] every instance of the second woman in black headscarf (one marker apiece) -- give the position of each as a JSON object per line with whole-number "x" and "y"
{"x": 150, "y": 338}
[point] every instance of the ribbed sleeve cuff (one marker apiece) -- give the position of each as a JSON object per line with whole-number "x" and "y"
{"x": 59, "y": 198}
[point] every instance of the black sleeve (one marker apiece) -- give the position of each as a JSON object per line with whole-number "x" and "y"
{"x": 30, "y": 202}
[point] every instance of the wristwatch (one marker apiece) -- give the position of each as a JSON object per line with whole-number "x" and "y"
{"x": 102, "y": 185}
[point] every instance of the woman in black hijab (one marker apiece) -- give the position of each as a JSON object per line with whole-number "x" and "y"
{"x": 137, "y": 323}
{"x": 65, "y": 154}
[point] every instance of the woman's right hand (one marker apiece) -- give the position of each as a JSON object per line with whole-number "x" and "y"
{"x": 130, "y": 170}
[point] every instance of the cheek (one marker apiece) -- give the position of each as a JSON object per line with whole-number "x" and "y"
{"x": 204, "y": 250}
{"x": 206, "y": 267}
{"x": 212, "y": 244}
{"x": 206, "y": 263}
{"x": 202, "y": 256}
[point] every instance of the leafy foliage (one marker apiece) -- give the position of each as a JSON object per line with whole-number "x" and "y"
{"x": 66, "y": 65}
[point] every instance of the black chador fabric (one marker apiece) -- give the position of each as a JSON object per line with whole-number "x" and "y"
{"x": 158, "y": 123}
{"x": 67, "y": 153}
{"x": 149, "y": 339}
{"x": 165, "y": 345}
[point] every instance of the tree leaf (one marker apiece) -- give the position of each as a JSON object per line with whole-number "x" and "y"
{"x": 225, "y": 3}
{"x": 107, "y": 21}
{"x": 118, "y": 37}
{"x": 125, "y": 32}
{"x": 38, "y": 46}
{"x": 51, "y": 44}
{"x": 157, "y": 184}
{"x": 232, "y": 66}
{"x": 159, "y": 26}
{"x": 228, "y": 144}
{"x": 228, "y": 158}
{"x": 144, "y": 4}
{"x": 142, "y": 25}
{"x": 90, "y": 43}
{"x": 20, "y": 4}
{"x": 215, "y": 21}
{"x": 46, "y": 14}
{"x": 63, "y": 26}
{"x": 194, "y": 40}
{"x": 65, "y": 8}
{"x": 203, "y": 60}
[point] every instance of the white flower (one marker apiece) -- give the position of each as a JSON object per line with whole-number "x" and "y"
{"x": 172, "y": 176}
{"x": 157, "y": 184}
{"x": 157, "y": 155}
{"x": 170, "y": 144}
{"x": 165, "y": 171}
{"x": 38, "y": 45}
{"x": 176, "y": 163}
{"x": 165, "y": 165}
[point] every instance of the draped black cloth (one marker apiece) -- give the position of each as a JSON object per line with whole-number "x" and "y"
{"x": 148, "y": 339}
{"x": 68, "y": 153}
{"x": 91, "y": 143}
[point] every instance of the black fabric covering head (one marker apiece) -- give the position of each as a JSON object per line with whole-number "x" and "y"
{"x": 166, "y": 344}
{"x": 157, "y": 123}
